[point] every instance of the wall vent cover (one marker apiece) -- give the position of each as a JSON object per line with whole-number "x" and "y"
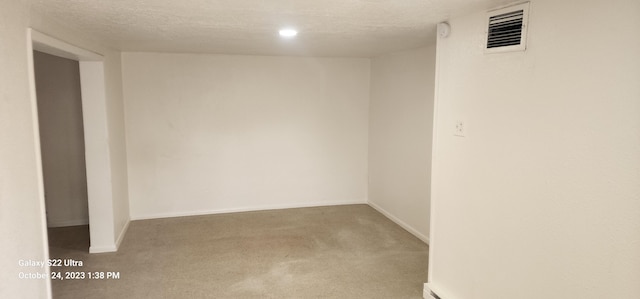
{"x": 507, "y": 29}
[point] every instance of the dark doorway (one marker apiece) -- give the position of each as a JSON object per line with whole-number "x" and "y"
{"x": 62, "y": 145}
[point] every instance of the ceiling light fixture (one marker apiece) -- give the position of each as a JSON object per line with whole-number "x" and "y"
{"x": 288, "y": 33}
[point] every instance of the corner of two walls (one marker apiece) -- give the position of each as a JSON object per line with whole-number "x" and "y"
{"x": 400, "y": 130}
{"x": 118, "y": 146}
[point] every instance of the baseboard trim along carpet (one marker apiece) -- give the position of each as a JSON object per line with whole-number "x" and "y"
{"x": 436, "y": 293}
{"x": 122, "y": 233}
{"x": 399, "y": 222}
{"x": 245, "y": 209}
{"x": 65, "y": 223}
{"x": 102, "y": 249}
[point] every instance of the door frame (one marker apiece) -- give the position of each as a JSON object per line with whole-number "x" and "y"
{"x": 96, "y": 136}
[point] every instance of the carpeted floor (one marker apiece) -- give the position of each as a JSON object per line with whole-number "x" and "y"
{"x": 325, "y": 252}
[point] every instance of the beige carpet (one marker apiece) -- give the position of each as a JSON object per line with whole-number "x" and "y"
{"x": 325, "y": 252}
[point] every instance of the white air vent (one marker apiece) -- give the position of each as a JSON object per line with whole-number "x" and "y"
{"x": 507, "y": 29}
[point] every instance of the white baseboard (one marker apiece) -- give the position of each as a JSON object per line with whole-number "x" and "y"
{"x": 65, "y": 223}
{"x": 399, "y": 222}
{"x": 430, "y": 287}
{"x": 426, "y": 294}
{"x": 115, "y": 246}
{"x": 244, "y": 209}
{"x": 122, "y": 233}
{"x": 102, "y": 249}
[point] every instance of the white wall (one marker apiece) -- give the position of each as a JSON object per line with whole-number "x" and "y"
{"x": 117, "y": 142}
{"x": 400, "y": 127}
{"x": 22, "y": 224}
{"x": 61, "y": 139}
{"x": 541, "y": 199}
{"x": 213, "y": 133}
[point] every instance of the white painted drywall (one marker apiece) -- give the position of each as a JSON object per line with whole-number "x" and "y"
{"x": 400, "y": 127}
{"x": 98, "y": 153}
{"x": 108, "y": 142}
{"x": 213, "y": 133}
{"x": 61, "y": 139}
{"x": 22, "y": 224}
{"x": 117, "y": 142}
{"x": 541, "y": 199}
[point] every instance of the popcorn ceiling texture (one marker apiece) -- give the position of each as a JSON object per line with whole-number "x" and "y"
{"x": 361, "y": 28}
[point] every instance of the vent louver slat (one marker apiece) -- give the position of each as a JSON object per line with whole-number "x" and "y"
{"x": 505, "y": 29}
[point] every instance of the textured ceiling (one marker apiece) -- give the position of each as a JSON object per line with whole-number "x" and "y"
{"x": 361, "y": 28}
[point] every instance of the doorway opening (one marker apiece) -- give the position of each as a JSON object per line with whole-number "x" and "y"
{"x": 98, "y": 209}
{"x": 62, "y": 151}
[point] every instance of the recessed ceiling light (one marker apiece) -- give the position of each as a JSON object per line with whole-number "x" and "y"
{"x": 288, "y": 32}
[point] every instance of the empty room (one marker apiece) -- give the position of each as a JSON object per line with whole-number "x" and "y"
{"x": 320, "y": 149}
